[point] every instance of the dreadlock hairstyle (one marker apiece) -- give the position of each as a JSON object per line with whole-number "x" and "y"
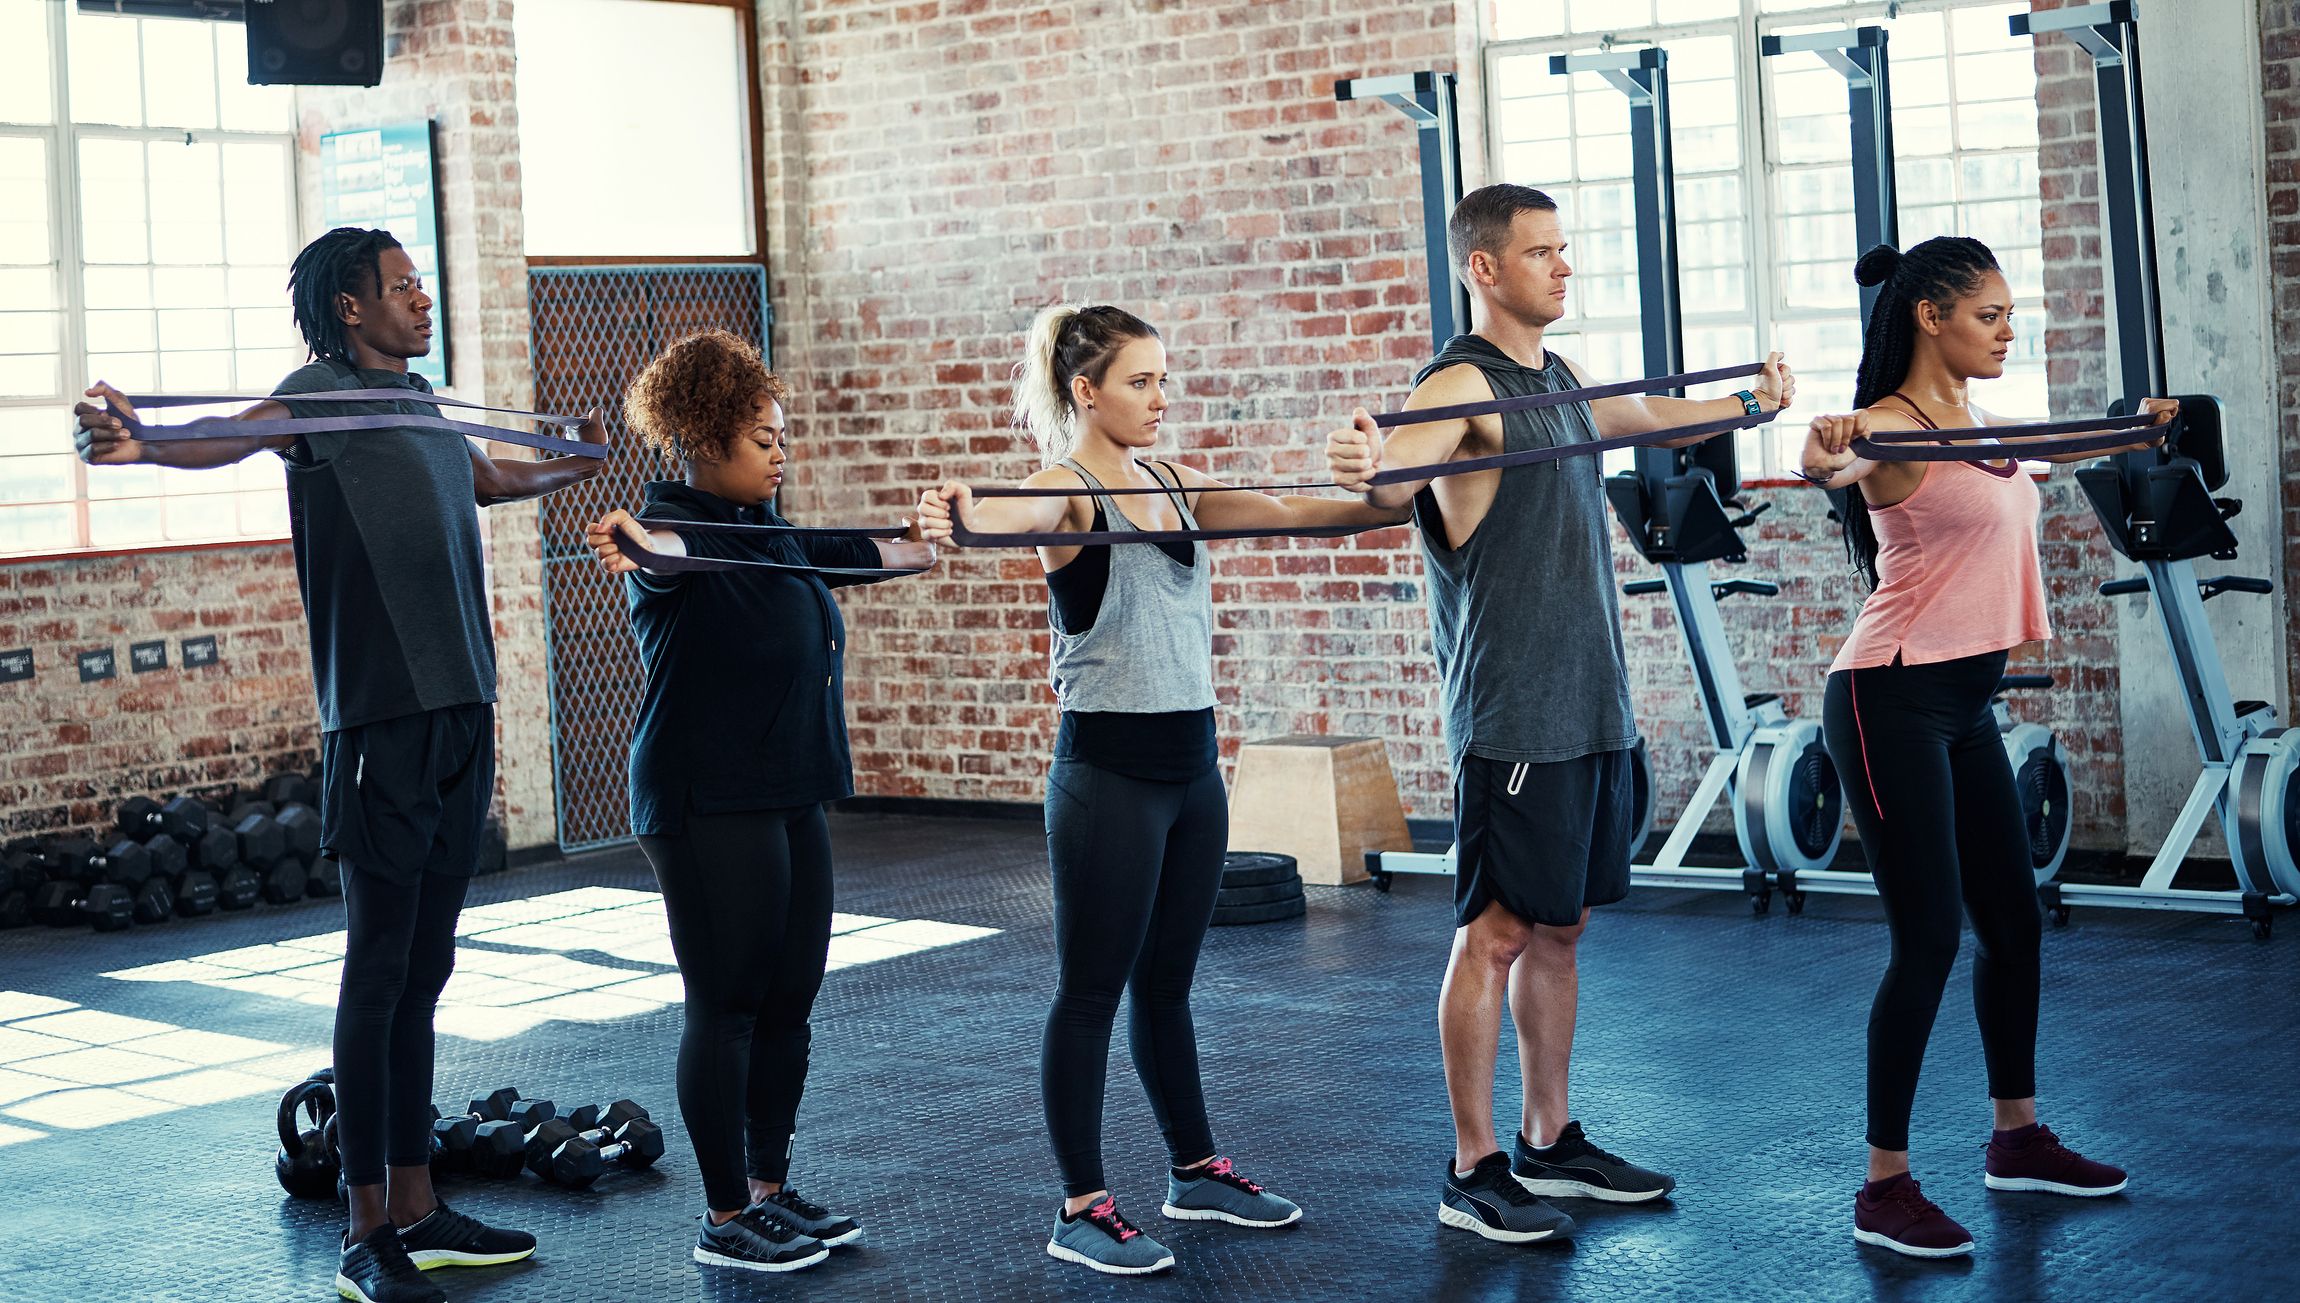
{"x": 1067, "y": 341}
{"x": 346, "y": 260}
{"x": 1939, "y": 271}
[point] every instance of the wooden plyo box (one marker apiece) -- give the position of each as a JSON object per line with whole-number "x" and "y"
{"x": 1326, "y": 801}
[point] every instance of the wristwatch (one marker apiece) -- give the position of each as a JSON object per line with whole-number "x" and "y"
{"x": 1750, "y": 404}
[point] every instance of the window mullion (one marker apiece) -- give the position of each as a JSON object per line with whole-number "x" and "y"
{"x": 64, "y": 210}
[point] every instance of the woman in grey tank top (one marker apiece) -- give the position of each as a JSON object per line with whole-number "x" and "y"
{"x": 1136, "y": 817}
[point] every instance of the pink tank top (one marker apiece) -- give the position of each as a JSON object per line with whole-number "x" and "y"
{"x": 1957, "y": 570}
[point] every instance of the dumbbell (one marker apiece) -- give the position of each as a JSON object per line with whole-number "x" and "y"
{"x": 215, "y": 849}
{"x": 466, "y": 1144}
{"x": 66, "y": 903}
{"x": 564, "y": 1156}
{"x": 289, "y": 787}
{"x": 261, "y": 840}
{"x": 15, "y": 907}
{"x": 191, "y": 891}
{"x": 182, "y": 818}
{"x": 585, "y": 1117}
{"x": 238, "y": 886}
{"x": 501, "y": 1122}
{"x": 23, "y": 867}
{"x": 79, "y": 860}
{"x": 299, "y": 827}
{"x": 284, "y": 880}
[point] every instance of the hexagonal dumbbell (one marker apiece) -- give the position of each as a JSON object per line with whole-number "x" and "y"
{"x": 290, "y": 787}
{"x": 326, "y": 877}
{"x": 560, "y": 1154}
{"x": 182, "y": 818}
{"x": 299, "y": 824}
{"x": 101, "y": 905}
{"x": 261, "y": 840}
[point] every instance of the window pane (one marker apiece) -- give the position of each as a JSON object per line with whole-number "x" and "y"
{"x": 245, "y": 107}
{"x": 1513, "y": 19}
{"x": 179, "y": 74}
{"x": 35, "y": 529}
{"x": 39, "y": 479}
{"x": 124, "y": 524}
{"x": 35, "y": 430}
{"x": 112, "y": 223}
{"x": 25, "y": 88}
{"x": 256, "y": 223}
{"x": 675, "y": 136}
{"x": 24, "y": 201}
{"x": 107, "y": 78}
{"x": 188, "y": 219}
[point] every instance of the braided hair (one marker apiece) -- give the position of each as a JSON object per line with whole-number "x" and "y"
{"x": 346, "y": 260}
{"x": 1939, "y": 271}
{"x": 1067, "y": 341}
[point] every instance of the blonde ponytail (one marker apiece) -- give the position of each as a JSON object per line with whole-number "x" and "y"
{"x": 1067, "y": 341}
{"x": 1041, "y": 398}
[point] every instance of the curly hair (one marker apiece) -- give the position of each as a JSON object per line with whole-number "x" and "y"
{"x": 695, "y": 399}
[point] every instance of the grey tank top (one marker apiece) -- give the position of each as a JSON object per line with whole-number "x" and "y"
{"x": 1151, "y": 647}
{"x": 1523, "y": 615}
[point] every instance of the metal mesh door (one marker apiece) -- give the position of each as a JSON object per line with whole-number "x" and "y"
{"x": 592, "y": 329}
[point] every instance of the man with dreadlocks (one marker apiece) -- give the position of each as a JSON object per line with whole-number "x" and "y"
{"x": 403, "y": 657}
{"x": 1950, "y": 550}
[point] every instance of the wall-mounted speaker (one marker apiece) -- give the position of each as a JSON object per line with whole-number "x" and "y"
{"x": 315, "y": 42}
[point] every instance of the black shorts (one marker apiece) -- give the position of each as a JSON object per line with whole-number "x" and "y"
{"x": 1544, "y": 840}
{"x": 407, "y": 796}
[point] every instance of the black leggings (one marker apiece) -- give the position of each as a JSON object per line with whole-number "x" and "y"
{"x": 398, "y": 950}
{"x": 749, "y": 901}
{"x": 1932, "y": 793}
{"x": 1136, "y": 865}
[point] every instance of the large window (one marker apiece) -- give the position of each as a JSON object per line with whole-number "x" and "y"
{"x": 1764, "y": 185}
{"x": 147, "y": 218}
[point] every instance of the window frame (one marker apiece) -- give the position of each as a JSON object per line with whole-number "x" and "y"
{"x": 61, "y": 136}
{"x": 754, "y": 100}
{"x": 1760, "y": 167}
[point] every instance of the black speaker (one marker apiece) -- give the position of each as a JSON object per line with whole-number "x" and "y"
{"x": 315, "y": 42}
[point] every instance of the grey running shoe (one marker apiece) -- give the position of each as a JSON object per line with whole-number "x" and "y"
{"x": 1573, "y": 1168}
{"x": 1490, "y": 1202}
{"x": 758, "y": 1240}
{"x": 812, "y": 1218}
{"x": 1101, "y": 1239}
{"x": 1216, "y": 1193}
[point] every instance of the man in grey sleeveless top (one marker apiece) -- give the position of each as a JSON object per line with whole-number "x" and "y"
{"x": 1536, "y": 696}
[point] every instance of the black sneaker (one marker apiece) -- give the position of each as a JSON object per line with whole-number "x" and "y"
{"x": 1489, "y": 1202}
{"x": 378, "y": 1270}
{"x": 758, "y": 1240}
{"x": 812, "y": 1219}
{"x": 447, "y": 1238}
{"x": 1573, "y": 1168}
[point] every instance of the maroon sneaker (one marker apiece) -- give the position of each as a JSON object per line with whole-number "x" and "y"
{"x": 2042, "y": 1162}
{"x": 1899, "y": 1217}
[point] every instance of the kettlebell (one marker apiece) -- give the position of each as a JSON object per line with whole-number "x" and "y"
{"x": 307, "y": 1165}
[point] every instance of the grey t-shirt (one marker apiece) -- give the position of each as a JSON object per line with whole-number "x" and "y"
{"x": 1523, "y": 615}
{"x": 386, "y": 528}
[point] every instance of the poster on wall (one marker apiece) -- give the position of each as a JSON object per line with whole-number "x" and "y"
{"x": 383, "y": 176}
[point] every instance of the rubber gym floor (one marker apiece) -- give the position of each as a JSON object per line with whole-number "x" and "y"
{"x": 1719, "y": 1046}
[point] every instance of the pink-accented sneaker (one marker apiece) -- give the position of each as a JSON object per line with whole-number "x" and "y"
{"x": 1899, "y": 1217}
{"x": 2039, "y": 1161}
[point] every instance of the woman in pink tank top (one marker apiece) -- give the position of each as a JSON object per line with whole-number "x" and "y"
{"x": 1950, "y": 552}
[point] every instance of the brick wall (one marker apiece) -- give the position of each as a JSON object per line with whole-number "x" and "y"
{"x": 941, "y": 169}
{"x": 2280, "y": 83}
{"x": 946, "y": 167}
{"x": 74, "y": 750}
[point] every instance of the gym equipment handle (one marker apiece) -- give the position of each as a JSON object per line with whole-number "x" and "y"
{"x": 1719, "y": 588}
{"x": 2219, "y": 584}
{"x": 2120, "y": 587}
